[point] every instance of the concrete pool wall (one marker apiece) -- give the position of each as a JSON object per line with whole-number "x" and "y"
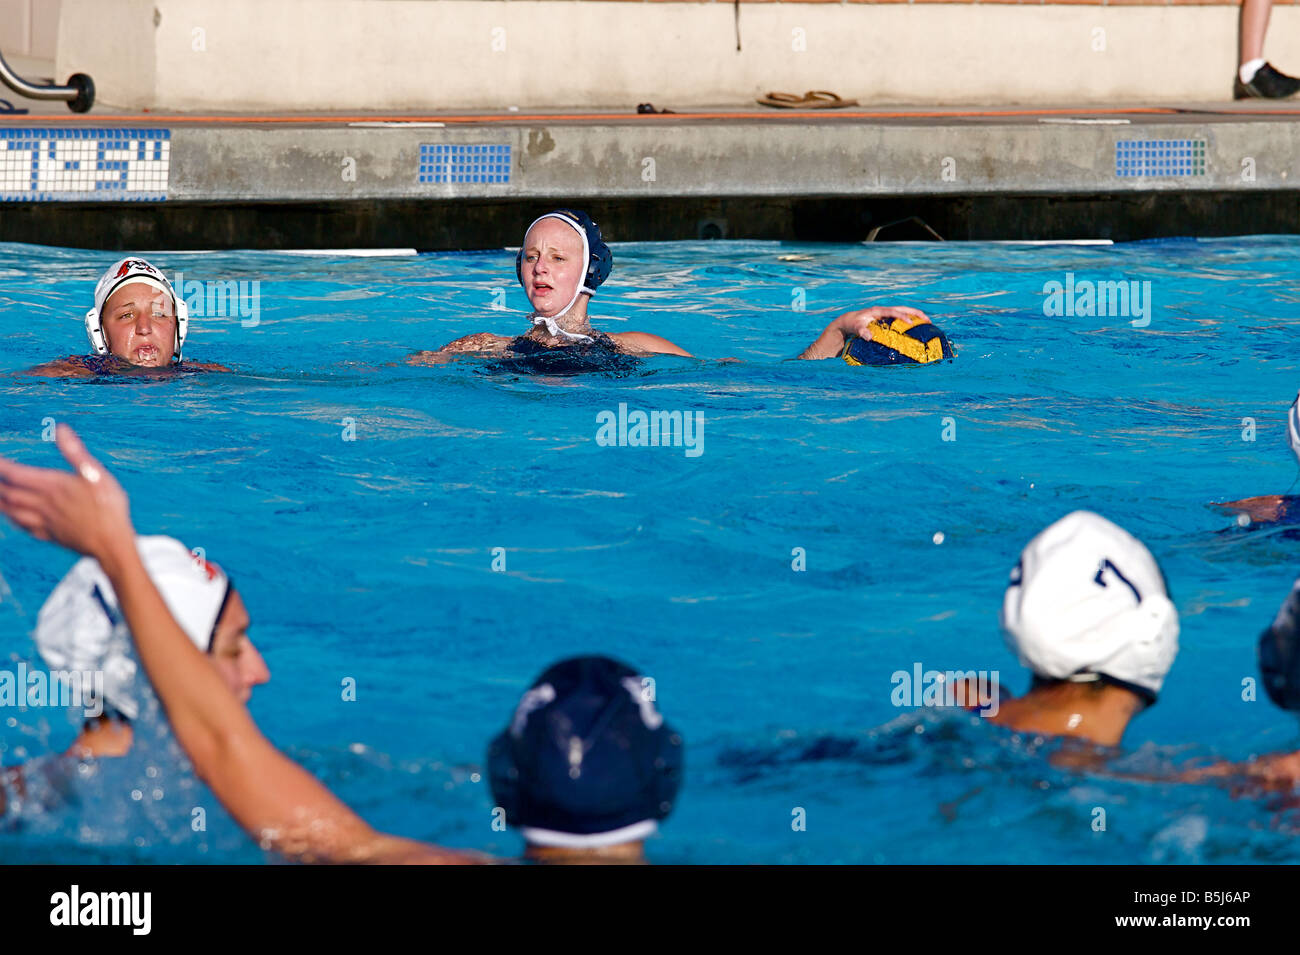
{"x": 421, "y": 54}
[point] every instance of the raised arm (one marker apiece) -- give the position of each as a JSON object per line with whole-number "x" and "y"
{"x": 274, "y": 799}
{"x": 853, "y": 325}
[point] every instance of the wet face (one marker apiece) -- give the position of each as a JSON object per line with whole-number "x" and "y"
{"x": 233, "y": 654}
{"x": 140, "y": 325}
{"x": 553, "y": 268}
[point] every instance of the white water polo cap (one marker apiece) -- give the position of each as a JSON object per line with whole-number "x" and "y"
{"x": 81, "y": 626}
{"x": 1293, "y": 427}
{"x": 133, "y": 271}
{"x": 1087, "y": 601}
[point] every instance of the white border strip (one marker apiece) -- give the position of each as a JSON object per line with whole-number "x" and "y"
{"x": 360, "y": 253}
{"x": 596, "y": 840}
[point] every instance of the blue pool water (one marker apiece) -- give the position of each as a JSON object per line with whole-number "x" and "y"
{"x": 372, "y": 558}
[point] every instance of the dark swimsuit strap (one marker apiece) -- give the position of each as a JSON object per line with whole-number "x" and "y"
{"x": 532, "y": 344}
{"x": 111, "y": 364}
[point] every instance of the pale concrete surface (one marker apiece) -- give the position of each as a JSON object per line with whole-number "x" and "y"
{"x": 29, "y": 27}
{"x": 316, "y": 178}
{"x": 485, "y": 54}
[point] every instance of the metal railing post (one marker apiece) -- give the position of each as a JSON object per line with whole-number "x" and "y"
{"x": 79, "y": 94}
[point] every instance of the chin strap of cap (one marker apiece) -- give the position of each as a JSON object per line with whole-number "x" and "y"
{"x": 557, "y": 332}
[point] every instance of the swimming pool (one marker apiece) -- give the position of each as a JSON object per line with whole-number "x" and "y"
{"x": 373, "y": 558}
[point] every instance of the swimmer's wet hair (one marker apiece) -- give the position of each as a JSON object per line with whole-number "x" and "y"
{"x": 1096, "y": 686}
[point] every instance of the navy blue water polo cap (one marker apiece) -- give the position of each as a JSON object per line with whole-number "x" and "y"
{"x": 587, "y": 760}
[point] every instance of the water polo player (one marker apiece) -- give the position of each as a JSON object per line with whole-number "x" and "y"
{"x": 1088, "y": 612}
{"x": 586, "y": 768}
{"x": 1274, "y": 508}
{"x": 882, "y": 335}
{"x": 1279, "y": 670}
{"x": 561, "y": 264}
{"x": 137, "y": 322}
{"x": 80, "y": 630}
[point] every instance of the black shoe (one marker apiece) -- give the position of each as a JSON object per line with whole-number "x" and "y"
{"x": 1267, "y": 83}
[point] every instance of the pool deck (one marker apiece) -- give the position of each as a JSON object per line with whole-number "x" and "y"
{"x": 744, "y": 171}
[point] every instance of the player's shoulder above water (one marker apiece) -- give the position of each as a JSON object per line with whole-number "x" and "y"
{"x": 91, "y": 366}
{"x": 644, "y": 342}
{"x": 74, "y": 366}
